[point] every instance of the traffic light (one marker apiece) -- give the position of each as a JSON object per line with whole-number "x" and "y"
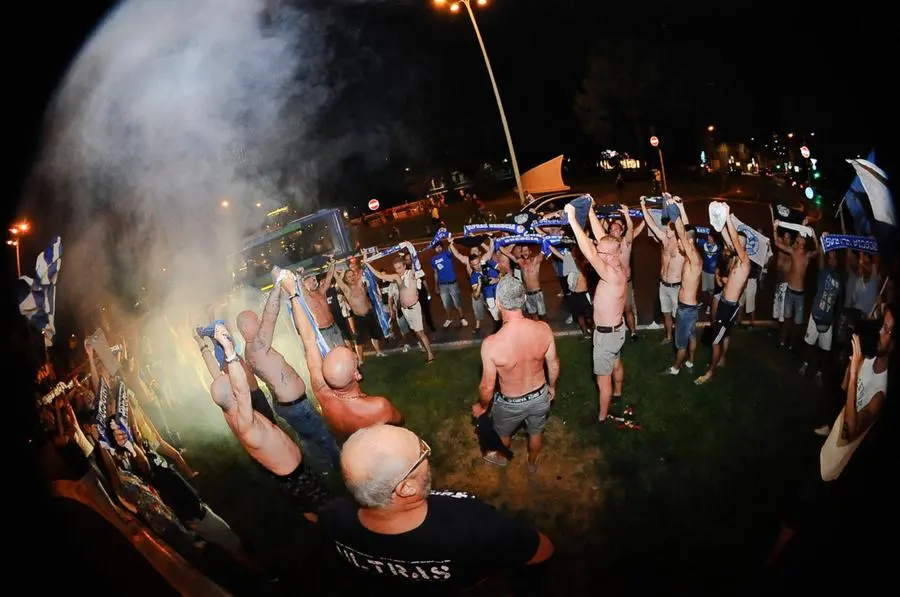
{"x": 817, "y": 175}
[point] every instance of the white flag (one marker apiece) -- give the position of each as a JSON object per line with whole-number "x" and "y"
{"x": 874, "y": 181}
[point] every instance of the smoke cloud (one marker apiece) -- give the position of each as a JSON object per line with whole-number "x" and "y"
{"x": 171, "y": 108}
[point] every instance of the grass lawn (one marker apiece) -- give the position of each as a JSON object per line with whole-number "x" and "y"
{"x": 690, "y": 500}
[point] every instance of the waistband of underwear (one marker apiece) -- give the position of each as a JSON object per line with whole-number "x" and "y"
{"x": 797, "y": 292}
{"x": 670, "y": 284}
{"x": 523, "y": 398}
{"x": 448, "y": 283}
{"x": 608, "y": 329}
{"x": 532, "y": 292}
{"x": 725, "y": 301}
{"x": 411, "y": 306}
{"x": 686, "y": 306}
{"x": 293, "y": 402}
{"x": 328, "y": 327}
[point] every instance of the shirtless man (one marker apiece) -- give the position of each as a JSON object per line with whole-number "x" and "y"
{"x": 287, "y": 387}
{"x": 801, "y": 253}
{"x": 335, "y": 381}
{"x": 578, "y": 298}
{"x": 365, "y": 321}
{"x": 609, "y": 303}
{"x": 626, "y": 235}
{"x": 670, "y": 268}
{"x": 516, "y": 355}
{"x": 316, "y": 296}
{"x": 266, "y": 443}
{"x": 530, "y": 264}
{"x": 783, "y": 265}
{"x": 688, "y": 305}
{"x": 405, "y": 278}
{"x": 728, "y": 306}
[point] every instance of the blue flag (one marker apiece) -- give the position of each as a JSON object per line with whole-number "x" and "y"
{"x": 852, "y": 199}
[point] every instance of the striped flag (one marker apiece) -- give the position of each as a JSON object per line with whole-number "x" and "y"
{"x": 874, "y": 181}
{"x": 853, "y": 201}
{"x": 37, "y": 295}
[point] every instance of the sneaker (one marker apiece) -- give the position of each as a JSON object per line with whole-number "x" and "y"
{"x": 405, "y": 348}
{"x": 560, "y": 295}
{"x": 495, "y": 459}
{"x": 447, "y": 323}
{"x": 803, "y": 368}
{"x": 476, "y": 331}
{"x": 689, "y": 364}
{"x": 569, "y": 320}
{"x": 819, "y": 380}
{"x": 634, "y": 337}
{"x": 665, "y": 341}
{"x": 463, "y": 322}
{"x": 823, "y": 431}
{"x": 671, "y": 371}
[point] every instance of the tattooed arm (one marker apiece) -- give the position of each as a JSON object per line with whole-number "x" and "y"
{"x": 263, "y": 340}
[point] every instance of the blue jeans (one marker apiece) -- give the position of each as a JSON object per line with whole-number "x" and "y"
{"x": 305, "y": 420}
{"x": 450, "y": 294}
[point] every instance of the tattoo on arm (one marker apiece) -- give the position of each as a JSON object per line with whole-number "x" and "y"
{"x": 263, "y": 338}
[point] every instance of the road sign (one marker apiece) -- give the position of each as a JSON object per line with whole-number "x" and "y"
{"x": 654, "y": 141}
{"x": 804, "y": 151}
{"x": 810, "y": 193}
{"x": 374, "y": 204}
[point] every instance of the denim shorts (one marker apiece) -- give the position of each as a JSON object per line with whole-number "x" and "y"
{"x": 685, "y": 320}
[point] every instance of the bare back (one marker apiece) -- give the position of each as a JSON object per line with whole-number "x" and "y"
{"x": 691, "y": 273}
{"x": 348, "y": 415}
{"x": 609, "y": 297}
{"x": 269, "y": 365}
{"x": 317, "y": 301}
{"x": 672, "y": 261}
{"x": 518, "y": 351}
{"x": 737, "y": 280}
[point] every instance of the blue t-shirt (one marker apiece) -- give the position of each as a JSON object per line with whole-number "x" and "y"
{"x": 442, "y": 263}
{"x": 710, "y": 257}
{"x": 488, "y": 272}
{"x": 827, "y": 289}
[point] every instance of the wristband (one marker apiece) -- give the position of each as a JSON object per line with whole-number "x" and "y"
{"x": 232, "y": 359}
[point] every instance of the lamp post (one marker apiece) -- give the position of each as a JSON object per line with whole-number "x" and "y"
{"x": 454, "y": 7}
{"x": 17, "y": 231}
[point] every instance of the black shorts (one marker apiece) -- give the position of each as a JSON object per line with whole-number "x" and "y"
{"x": 260, "y": 404}
{"x": 305, "y": 486}
{"x": 580, "y": 305}
{"x": 367, "y": 327}
{"x": 726, "y": 315}
{"x": 174, "y": 490}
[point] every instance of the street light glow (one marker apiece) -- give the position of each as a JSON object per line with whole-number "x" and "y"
{"x": 454, "y": 8}
{"x": 12, "y": 243}
{"x": 710, "y": 128}
{"x": 225, "y": 203}
{"x": 440, "y": 2}
{"x": 790, "y": 135}
{"x": 482, "y": 2}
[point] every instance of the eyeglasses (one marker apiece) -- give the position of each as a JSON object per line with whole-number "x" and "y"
{"x": 424, "y": 452}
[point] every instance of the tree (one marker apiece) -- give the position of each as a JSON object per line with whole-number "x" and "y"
{"x": 619, "y": 90}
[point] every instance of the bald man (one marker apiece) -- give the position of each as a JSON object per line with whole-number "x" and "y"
{"x": 609, "y": 304}
{"x": 266, "y": 443}
{"x": 283, "y": 381}
{"x": 335, "y": 380}
{"x": 399, "y": 537}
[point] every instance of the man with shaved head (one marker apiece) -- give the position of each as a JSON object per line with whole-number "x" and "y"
{"x": 267, "y": 443}
{"x": 315, "y": 294}
{"x": 284, "y": 382}
{"x": 335, "y": 380}
{"x": 609, "y": 304}
{"x": 402, "y": 538}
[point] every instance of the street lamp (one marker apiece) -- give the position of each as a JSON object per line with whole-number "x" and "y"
{"x": 710, "y": 128}
{"x": 17, "y": 231}
{"x": 454, "y": 7}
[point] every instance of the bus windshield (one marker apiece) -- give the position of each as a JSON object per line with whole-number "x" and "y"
{"x": 306, "y": 242}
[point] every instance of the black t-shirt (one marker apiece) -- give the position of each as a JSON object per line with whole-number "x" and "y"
{"x": 461, "y": 541}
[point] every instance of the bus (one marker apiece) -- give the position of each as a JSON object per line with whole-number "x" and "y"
{"x": 307, "y": 242}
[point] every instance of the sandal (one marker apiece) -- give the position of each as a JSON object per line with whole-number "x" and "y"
{"x": 495, "y": 459}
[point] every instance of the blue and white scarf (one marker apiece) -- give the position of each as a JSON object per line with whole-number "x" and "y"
{"x": 835, "y": 242}
{"x": 479, "y": 229}
{"x": 321, "y": 344}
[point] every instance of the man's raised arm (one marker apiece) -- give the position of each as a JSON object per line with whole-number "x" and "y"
{"x": 596, "y": 229}
{"x": 380, "y": 276}
{"x": 307, "y": 335}
{"x": 690, "y": 249}
{"x": 329, "y": 276}
{"x": 735, "y": 241}
{"x": 656, "y": 233}
{"x": 584, "y": 243}
{"x": 206, "y": 352}
{"x": 264, "y": 336}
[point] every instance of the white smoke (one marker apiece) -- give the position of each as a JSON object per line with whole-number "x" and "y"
{"x": 171, "y": 108}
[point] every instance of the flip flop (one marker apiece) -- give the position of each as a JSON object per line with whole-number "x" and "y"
{"x": 429, "y": 361}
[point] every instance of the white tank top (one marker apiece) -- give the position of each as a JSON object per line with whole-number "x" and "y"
{"x": 869, "y": 383}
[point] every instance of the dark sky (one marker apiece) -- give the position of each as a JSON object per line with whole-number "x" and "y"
{"x": 775, "y": 70}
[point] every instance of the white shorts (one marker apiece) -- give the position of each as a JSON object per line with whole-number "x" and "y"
{"x": 668, "y": 298}
{"x": 491, "y": 303}
{"x": 413, "y": 316}
{"x": 778, "y": 304}
{"x": 814, "y": 336}
{"x": 707, "y": 282}
{"x": 748, "y": 298}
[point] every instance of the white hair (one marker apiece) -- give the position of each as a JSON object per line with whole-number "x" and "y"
{"x": 511, "y": 293}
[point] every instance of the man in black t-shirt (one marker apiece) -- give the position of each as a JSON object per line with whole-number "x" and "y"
{"x": 401, "y": 537}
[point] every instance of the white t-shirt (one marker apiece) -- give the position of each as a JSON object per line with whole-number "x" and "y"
{"x": 836, "y": 452}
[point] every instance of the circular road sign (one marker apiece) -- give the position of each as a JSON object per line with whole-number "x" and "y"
{"x": 654, "y": 141}
{"x": 810, "y": 193}
{"x": 374, "y": 204}
{"x": 804, "y": 151}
